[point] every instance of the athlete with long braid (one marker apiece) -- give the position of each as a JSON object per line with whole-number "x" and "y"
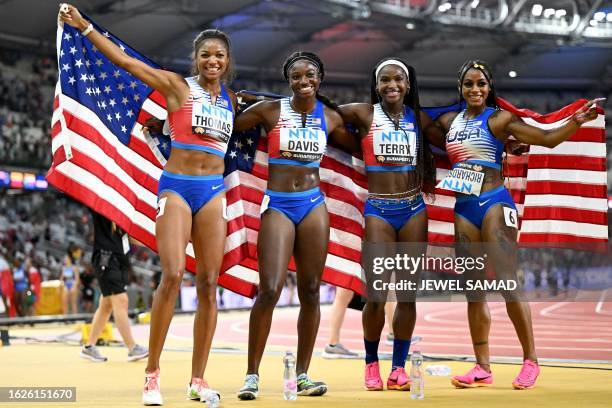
{"x": 399, "y": 166}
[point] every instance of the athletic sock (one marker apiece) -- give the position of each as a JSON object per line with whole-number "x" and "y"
{"x": 371, "y": 350}
{"x": 400, "y": 352}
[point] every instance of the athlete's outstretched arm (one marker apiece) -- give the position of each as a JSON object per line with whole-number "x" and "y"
{"x": 433, "y": 131}
{"x": 339, "y": 136}
{"x": 260, "y": 113}
{"x": 356, "y": 113}
{"x": 507, "y": 124}
{"x": 346, "y": 141}
{"x": 171, "y": 85}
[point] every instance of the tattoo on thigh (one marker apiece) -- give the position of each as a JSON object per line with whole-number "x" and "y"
{"x": 463, "y": 242}
{"x": 481, "y": 343}
{"x": 463, "y": 238}
{"x": 507, "y": 243}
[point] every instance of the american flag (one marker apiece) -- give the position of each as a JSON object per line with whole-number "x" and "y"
{"x": 560, "y": 193}
{"x": 102, "y": 158}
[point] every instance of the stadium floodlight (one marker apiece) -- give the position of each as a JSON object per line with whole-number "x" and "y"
{"x": 560, "y": 13}
{"x": 444, "y": 7}
{"x": 512, "y": 74}
{"x": 474, "y": 3}
{"x": 536, "y": 10}
{"x": 599, "y": 16}
{"x": 410, "y": 26}
{"x": 549, "y": 12}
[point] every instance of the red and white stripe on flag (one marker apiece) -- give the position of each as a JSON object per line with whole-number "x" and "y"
{"x": 560, "y": 193}
{"x": 566, "y": 190}
{"x": 120, "y": 182}
{"x": 343, "y": 182}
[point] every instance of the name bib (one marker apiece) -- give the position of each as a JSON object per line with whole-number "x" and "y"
{"x": 19, "y": 275}
{"x": 395, "y": 146}
{"x": 466, "y": 178}
{"x": 302, "y": 144}
{"x": 67, "y": 273}
{"x": 210, "y": 120}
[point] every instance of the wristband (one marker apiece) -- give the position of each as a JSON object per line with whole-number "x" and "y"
{"x": 88, "y": 30}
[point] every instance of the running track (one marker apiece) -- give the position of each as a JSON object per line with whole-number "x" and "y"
{"x": 563, "y": 330}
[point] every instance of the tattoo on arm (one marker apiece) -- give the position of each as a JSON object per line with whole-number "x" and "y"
{"x": 489, "y": 177}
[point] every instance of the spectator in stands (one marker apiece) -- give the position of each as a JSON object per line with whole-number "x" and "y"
{"x": 111, "y": 265}
{"x": 21, "y": 285}
{"x": 35, "y": 279}
{"x": 6, "y": 286}
{"x": 70, "y": 278}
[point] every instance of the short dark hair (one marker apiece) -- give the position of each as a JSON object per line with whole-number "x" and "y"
{"x": 228, "y": 75}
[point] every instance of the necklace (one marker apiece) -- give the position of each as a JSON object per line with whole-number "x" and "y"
{"x": 395, "y": 118}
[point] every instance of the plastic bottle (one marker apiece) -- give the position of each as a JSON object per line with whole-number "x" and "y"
{"x": 289, "y": 377}
{"x": 439, "y": 370}
{"x": 417, "y": 378}
{"x": 212, "y": 399}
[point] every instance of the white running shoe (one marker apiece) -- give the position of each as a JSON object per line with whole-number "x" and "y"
{"x": 198, "y": 390}
{"x": 151, "y": 394}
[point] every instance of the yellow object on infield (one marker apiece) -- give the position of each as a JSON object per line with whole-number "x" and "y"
{"x": 106, "y": 335}
{"x": 50, "y": 302}
{"x": 144, "y": 317}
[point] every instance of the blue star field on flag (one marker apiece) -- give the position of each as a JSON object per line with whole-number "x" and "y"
{"x": 87, "y": 76}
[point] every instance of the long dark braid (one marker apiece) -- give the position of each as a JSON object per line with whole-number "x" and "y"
{"x": 426, "y": 169}
{"x": 315, "y": 60}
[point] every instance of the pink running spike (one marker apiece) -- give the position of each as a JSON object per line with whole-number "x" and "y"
{"x": 527, "y": 377}
{"x": 476, "y": 377}
{"x": 398, "y": 380}
{"x": 373, "y": 382}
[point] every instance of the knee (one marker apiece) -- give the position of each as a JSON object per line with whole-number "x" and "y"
{"x": 206, "y": 286}
{"x": 407, "y": 307}
{"x": 171, "y": 280}
{"x": 268, "y": 295}
{"x": 513, "y": 295}
{"x": 376, "y": 307}
{"x": 309, "y": 293}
